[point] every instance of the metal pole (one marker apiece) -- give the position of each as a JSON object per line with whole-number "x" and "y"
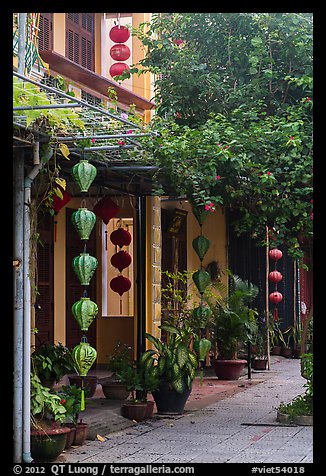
{"x": 18, "y": 249}
{"x": 18, "y": 317}
{"x": 141, "y": 274}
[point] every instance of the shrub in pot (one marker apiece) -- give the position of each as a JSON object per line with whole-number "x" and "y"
{"x": 175, "y": 364}
{"x": 89, "y": 383}
{"x": 71, "y": 399}
{"x": 259, "y": 361}
{"x": 135, "y": 407}
{"x": 51, "y": 362}
{"x": 232, "y": 323}
{"x": 48, "y": 435}
{"x": 119, "y": 361}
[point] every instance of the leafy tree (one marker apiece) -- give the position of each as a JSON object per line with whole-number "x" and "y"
{"x": 234, "y": 116}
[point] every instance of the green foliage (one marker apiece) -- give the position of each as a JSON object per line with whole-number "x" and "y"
{"x": 44, "y": 404}
{"x": 52, "y": 362}
{"x": 71, "y": 399}
{"x": 120, "y": 359}
{"x": 173, "y": 361}
{"x": 233, "y": 322}
{"x": 234, "y": 101}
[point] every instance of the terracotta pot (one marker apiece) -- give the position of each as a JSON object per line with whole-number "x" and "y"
{"x": 297, "y": 352}
{"x": 49, "y": 443}
{"x": 259, "y": 364}
{"x": 276, "y": 350}
{"x": 149, "y": 409}
{"x": 134, "y": 411}
{"x": 90, "y": 383}
{"x": 229, "y": 369}
{"x": 81, "y": 430}
{"x": 286, "y": 352}
{"x": 115, "y": 390}
{"x": 70, "y": 437}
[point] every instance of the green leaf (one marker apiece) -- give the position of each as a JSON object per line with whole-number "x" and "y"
{"x": 182, "y": 355}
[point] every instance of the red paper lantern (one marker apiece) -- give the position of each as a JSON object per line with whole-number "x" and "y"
{"x": 120, "y": 237}
{"x": 118, "y": 68}
{"x": 121, "y": 260}
{"x": 58, "y": 202}
{"x": 275, "y": 254}
{"x": 120, "y": 284}
{"x": 275, "y": 297}
{"x": 178, "y": 42}
{"x": 120, "y": 52}
{"x": 119, "y": 34}
{"x": 275, "y": 277}
{"x": 106, "y": 209}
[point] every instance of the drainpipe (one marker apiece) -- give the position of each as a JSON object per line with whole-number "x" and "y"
{"x": 18, "y": 284}
{"x": 27, "y": 308}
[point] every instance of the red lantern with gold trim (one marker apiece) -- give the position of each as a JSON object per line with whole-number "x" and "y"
{"x": 120, "y": 237}
{"x": 119, "y": 34}
{"x": 106, "y": 209}
{"x": 121, "y": 260}
{"x": 120, "y": 52}
{"x": 120, "y": 284}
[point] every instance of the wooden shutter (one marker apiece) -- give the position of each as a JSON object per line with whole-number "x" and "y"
{"x": 44, "y": 306}
{"x": 80, "y": 39}
{"x": 74, "y": 290}
{"x": 45, "y": 38}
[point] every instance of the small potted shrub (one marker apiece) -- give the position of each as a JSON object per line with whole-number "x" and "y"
{"x": 71, "y": 399}
{"x": 48, "y": 435}
{"x": 300, "y": 409}
{"x": 135, "y": 407}
{"x": 286, "y": 337}
{"x": 274, "y": 331}
{"x": 259, "y": 360}
{"x": 51, "y": 362}
{"x": 174, "y": 363}
{"x": 119, "y": 362}
{"x": 233, "y": 323}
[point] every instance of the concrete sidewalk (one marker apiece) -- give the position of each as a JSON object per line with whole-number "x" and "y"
{"x": 231, "y": 424}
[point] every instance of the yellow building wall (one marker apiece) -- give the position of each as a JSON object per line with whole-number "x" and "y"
{"x": 59, "y": 33}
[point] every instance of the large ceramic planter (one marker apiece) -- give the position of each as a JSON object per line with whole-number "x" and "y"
{"x": 169, "y": 401}
{"x": 149, "y": 409}
{"x": 134, "y": 411}
{"x": 115, "y": 390}
{"x": 48, "y": 444}
{"x": 90, "y": 383}
{"x": 229, "y": 369}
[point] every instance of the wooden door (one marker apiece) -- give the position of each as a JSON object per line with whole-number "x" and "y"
{"x": 44, "y": 305}
{"x": 74, "y": 290}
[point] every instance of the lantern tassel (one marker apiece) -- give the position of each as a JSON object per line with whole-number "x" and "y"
{"x": 275, "y": 314}
{"x": 82, "y": 397}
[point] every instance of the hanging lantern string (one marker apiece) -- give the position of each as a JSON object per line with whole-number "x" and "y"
{"x": 83, "y": 203}
{"x": 118, "y": 19}
{"x": 85, "y": 293}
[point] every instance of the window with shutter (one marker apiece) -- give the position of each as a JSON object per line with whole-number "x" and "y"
{"x": 80, "y": 39}
{"x": 45, "y": 36}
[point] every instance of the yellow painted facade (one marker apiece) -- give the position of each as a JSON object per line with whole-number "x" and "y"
{"x": 110, "y": 329}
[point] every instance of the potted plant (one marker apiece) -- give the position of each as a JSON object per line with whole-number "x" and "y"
{"x": 51, "y": 362}
{"x": 297, "y": 336}
{"x": 286, "y": 336}
{"x": 260, "y": 359}
{"x": 174, "y": 364}
{"x": 300, "y": 409}
{"x": 48, "y": 436}
{"x": 135, "y": 407}
{"x": 71, "y": 399}
{"x": 118, "y": 362}
{"x": 233, "y": 323}
{"x": 274, "y": 331}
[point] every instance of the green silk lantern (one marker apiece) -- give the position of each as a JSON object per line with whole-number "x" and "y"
{"x": 83, "y": 221}
{"x": 202, "y": 314}
{"x": 84, "y": 312}
{"x": 201, "y": 279}
{"x": 84, "y": 266}
{"x": 200, "y": 214}
{"x": 84, "y": 357}
{"x": 84, "y": 174}
{"x": 201, "y": 245}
